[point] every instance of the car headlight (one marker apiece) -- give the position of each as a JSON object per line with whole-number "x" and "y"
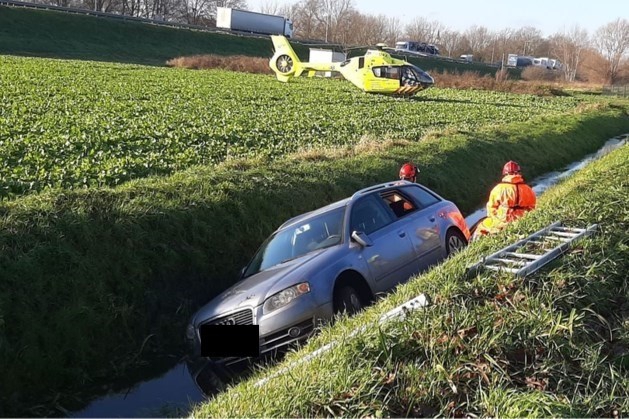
{"x": 285, "y": 296}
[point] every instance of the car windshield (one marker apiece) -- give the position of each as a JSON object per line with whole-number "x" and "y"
{"x": 308, "y": 235}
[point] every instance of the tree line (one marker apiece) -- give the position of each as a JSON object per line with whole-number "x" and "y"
{"x": 602, "y": 56}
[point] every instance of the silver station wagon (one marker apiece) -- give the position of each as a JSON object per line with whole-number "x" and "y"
{"x": 334, "y": 259}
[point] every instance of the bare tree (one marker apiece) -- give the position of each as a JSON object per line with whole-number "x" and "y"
{"x": 612, "y": 40}
{"x": 593, "y": 67}
{"x": 306, "y": 21}
{"x": 270, "y": 7}
{"x": 323, "y": 19}
{"x": 335, "y": 12}
{"x": 568, "y": 47}
{"x": 424, "y": 30}
{"x": 479, "y": 40}
{"x": 197, "y": 10}
{"x": 451, "y": 43}
{"x": 527, "y": 40}
{"x": 364, "y": 29}
{"x": 392, "y": 30}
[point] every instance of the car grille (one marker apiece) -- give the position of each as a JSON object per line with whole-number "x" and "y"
{"x": 239, "y": 317}
{"x": 282, "y": 338}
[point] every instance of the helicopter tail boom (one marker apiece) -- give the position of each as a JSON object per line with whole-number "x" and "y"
{"x": 286, "y": 64}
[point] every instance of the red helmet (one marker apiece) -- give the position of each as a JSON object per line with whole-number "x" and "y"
{"x": 408, "y": 171}
{"x": 510, "y": 168}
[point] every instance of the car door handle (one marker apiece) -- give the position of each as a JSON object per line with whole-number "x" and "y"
{"x": 401, "y": 233}
{"x": 432, "y": 218}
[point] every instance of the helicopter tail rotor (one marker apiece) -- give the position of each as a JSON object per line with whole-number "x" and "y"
{"x": 284, "y": 62}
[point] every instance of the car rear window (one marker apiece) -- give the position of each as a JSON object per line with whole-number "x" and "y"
{"x": 399, "y": 204}
{"x": 421, "y": 196}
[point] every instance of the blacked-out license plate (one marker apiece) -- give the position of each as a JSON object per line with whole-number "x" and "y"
{"x": 230, "y": 340}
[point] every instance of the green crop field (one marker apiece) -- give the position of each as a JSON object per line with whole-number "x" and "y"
{"x": 72, "y": 124}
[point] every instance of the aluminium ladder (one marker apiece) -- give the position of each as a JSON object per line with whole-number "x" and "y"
{"x": 522, "y": 259}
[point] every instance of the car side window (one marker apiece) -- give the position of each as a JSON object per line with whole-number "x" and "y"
{"x": 421, "y": 196}
{"x": 368, "y": 215}
{"x": 399, "y": 204}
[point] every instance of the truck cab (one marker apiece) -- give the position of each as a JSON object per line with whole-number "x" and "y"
{"x": 288, "y": 28}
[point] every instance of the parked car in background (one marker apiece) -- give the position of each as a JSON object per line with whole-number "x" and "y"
{"x": 334, "y": 259}
{"x": 468, "y": 58}
{"x": 417, "y": 48}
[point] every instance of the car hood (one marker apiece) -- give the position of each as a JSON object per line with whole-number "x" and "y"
{"x": 252, "y": 291}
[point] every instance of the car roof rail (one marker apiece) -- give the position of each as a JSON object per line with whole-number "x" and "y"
{"x": 364, "y": 191}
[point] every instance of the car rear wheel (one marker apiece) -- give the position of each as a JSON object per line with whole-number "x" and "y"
{"x": 347, "y": 300}
{"x": 455, "y": 241}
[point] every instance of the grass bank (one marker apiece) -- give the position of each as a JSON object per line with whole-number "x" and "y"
{"x": 555, "y": 344}
{"x": 44, "y": 33}
{"x": 53, "y": 34}
{"x": 98, "y": 281}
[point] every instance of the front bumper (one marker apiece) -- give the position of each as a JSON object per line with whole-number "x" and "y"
{"x": 286, "y": 326}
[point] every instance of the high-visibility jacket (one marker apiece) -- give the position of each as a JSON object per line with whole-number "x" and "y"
{"x": 510, "y": 199}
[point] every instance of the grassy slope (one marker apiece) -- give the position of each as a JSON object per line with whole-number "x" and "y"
{"x": 555, "y": 344}
{"x": 63, "y": 35}
{"x": 111, "y": 268}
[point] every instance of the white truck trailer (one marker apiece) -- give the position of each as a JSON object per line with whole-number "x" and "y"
{"x": 246, "y": 21}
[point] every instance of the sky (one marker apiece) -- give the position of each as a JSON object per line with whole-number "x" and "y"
{"x": 550, "y": 16}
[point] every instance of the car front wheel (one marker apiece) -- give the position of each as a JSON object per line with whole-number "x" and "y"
{"x": 347, "y": 300}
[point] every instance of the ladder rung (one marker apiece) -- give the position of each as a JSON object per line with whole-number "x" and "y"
{"x": 523, "y": 255}
{"x": 501, "y": 268}
{"x": 560, "y": 234}
{"x": 568, "y": 229}
{"x": 517, "y": 262}
{"x": 560, "y": 239}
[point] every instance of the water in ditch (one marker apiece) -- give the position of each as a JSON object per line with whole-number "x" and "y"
{"x": 192, "y": 381}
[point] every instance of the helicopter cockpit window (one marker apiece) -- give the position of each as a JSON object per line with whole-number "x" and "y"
{"x": 361, "y": 62}
{"x": 409, "y": 76}
{"x": 387, "y": 72}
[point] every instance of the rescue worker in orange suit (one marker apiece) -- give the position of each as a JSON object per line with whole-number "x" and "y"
{"x": 409, "y": 172}
{"x": 509, "y": 200}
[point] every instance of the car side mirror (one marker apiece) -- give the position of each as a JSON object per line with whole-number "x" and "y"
{"x": 361, "y": 238}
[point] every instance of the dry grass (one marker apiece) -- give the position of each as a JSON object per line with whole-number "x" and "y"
{"x": 532, "y": 73}
{"x": 368, "y": 145}
{"x": 501, "y": 82}
{"x": 240, "y": 63}
{"x": 542, "y": 83}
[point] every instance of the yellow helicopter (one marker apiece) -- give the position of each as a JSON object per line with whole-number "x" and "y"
{"x": 374, "y": 72}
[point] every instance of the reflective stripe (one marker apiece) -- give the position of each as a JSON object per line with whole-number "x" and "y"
{"x": 517, "y": 205}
